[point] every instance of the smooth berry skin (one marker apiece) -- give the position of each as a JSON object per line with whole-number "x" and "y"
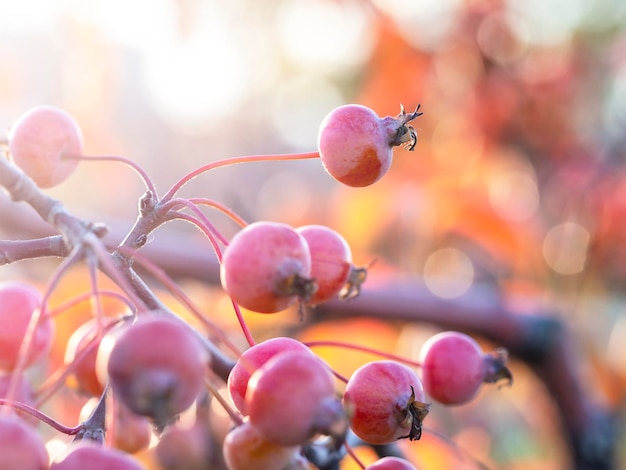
{"x": 252, "y": 359}
{"x": 266, "y": 266}
{"x": 38, "y": 141}
{"x": 18, "y": 302}
{"x": 331, "y": 261}
{"x": 354, "y": 145}
{"x": 87, "y": 455}
{"x": 21, "y": 447}
{"x": 292, "y": 397}
{"x": 385, "y": 400}
{"x": 391, "y": 463}
{"x": 453, "y": 367}
{"x": 155, "y": 366}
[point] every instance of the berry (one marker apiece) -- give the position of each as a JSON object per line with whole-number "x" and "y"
{"x": 84, "y": 368}
{"x": 85, "y": 454}
{"x": 129, "y": 432}
{"x": 245, "y": 448}
{"x": 292, "y": 397}
{"x": 386, "y": 402}
{"x": 156, "y": 366}
{"x": 266, "y": 267}
{"x": 184, "y": 447}
{"x": 331, "y": 261}
{"x": 18, "y": 302}
{"x": 251, "y": 360}
{"x": 20, "y": 446}
{"x": 40, "y": 139}
{"x": 454, "y": 367}
{"x": 356, "y": 145}
{"x": 391, "y": 463}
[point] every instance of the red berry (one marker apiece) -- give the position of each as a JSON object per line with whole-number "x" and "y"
{"x": 331, "y": 261}
{"x": 454, "y": 367}
{"x": 156, "y": 366}
{"x": 251, "y": 360}
{"x": 21, "y": 446}
{"x": 386, "y": 402}
{"x": 292, "y": 397}
{"x": 391, "y": 463}
{"x": 85, "y": 454}
{"x": 356, "y": 145}
{"x": 39, "y": 140}
{"x": 266, "y": 267}
{"x": 18, "y": 302}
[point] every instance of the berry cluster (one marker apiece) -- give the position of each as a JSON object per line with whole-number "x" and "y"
{"x": 146, "y": 366}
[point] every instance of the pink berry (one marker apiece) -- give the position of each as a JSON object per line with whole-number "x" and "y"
{"x": 85, "y": 454}
{"x": 331, "y": 261}
{"x": 80, "y": 354}
{"x": 245, "y": 448}
{"x": 185, "y": 447}
{"x": 251, "y": 360}
{"x": 20, "y": 445}
{"x": 454, "y": 367}
{"x": 156, "y": 366}
{"x": 18, "y": 302}
{"x": 40, "y": 139}
{"x": 266, "y": 267}
{"x": 391, "y": 463}
{"x": 292, "y": 397}
{"x": 356, "y": 145}
{"x": 386, "y": 402}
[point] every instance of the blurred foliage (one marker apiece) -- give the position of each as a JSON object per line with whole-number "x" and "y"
{"x": 518, "y": 179}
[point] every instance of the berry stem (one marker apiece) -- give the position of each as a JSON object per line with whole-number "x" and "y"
{"x": 23, "y": 407}
{"x": 232, "y": 413}
{"x": 242, "y": 323}
{"x": 367, "y": 349}
{"x": 200, "y": 220}
{"x": 114, "y": 158}
{"x": 180, "y": 295}
{"x": 201, "y": 201}
{"x": 232, "y": 161}
{"x": 353, "y": 455}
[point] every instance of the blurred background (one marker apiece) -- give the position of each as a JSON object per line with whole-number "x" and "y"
{"x": 518, "y": 178}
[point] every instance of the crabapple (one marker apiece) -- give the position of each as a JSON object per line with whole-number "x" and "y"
{"x": 246, "y": 448}
{"x": 184, "y": 447}
{"x": 38, "y": 142}
{"x": 84, "y": 454}
{"x": 292, "y": 397}
{"x": 130, "y": 432}
{"x": 391, "y": 463}
{"x": 81, "y": 352}
{"x": 331, "y": 261}
{"x": 356, "y": 145}
{"x": 251, "y": 360}
{"x": 21, "y": 446}
{"x": 18, "y": 302}
{"x": 454, "y": 367}
{"x": 385, "y": 400}
{"x": 266, "y": 267}
{"x": 156, "y": 366}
